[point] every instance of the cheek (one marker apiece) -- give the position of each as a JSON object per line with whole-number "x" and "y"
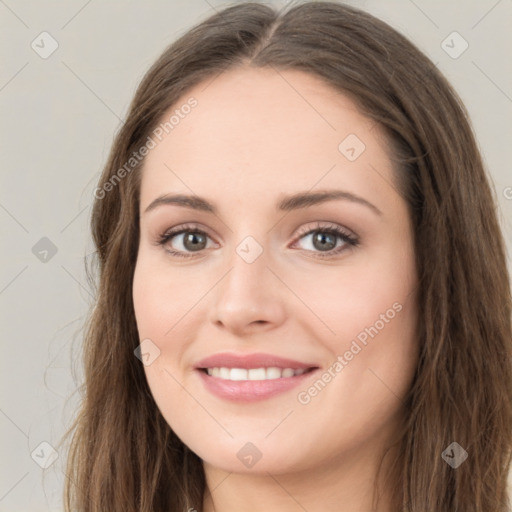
{"x": 368, "y": 314}
{"x": 157, "y": 316}
{"x": 162, "y": 297}
{"x": 359, "y": 396}
{"x": 375, "y": 293}
{"x": 164, "y": 304}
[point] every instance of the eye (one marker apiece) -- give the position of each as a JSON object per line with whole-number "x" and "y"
{"x": 184, "y": 239}
{"x": 327, "y": 240}
{"x": 324, "y": 240}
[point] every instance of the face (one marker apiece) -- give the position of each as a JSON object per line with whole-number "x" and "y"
{"x": 274, "y": 241}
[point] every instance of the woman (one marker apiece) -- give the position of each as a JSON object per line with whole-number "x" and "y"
{"x": 303, "y": 298}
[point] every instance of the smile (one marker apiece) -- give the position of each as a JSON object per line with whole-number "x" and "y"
{"x": 251, "y": 377}
{"x": 254, "y": 374}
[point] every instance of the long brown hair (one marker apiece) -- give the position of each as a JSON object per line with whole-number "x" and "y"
{"x": 124, "y": 456}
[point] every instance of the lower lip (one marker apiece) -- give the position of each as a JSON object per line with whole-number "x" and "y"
{"x": 251, "y": 390}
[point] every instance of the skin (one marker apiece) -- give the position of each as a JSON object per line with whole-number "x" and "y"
{"x": 254, "y": 137}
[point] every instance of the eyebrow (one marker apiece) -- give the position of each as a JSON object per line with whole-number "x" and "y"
{"x": 288, "y": 203}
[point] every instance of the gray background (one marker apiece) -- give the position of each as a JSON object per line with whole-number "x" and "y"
{"x": 58, "y": 118}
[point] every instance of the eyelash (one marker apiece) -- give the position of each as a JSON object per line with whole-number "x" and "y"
{"x": 332, "y": 229}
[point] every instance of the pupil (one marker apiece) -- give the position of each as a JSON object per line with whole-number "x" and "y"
{"x": 324, "y": 241}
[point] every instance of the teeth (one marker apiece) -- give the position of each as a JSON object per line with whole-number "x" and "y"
{"x": 256, "y": 374}
{"x": 237, "y": 374}
{"x": 253, "y": 373}
{"x": 224, "y": 373}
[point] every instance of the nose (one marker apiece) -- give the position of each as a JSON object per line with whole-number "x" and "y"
{"x": 249, "y": 298}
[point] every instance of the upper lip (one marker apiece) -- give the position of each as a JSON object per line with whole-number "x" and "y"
{"x": 248, "y": 361}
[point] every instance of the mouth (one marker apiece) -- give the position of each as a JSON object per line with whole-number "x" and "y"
{"x": 254, "y": 374}
{"x": 248, "y": 378}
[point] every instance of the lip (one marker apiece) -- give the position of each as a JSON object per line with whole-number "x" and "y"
{"x": 251, "y": 390}
{"x": 249, "y": 361}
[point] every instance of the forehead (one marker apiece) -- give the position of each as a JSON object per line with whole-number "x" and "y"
{"x": 259, "y": 131}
